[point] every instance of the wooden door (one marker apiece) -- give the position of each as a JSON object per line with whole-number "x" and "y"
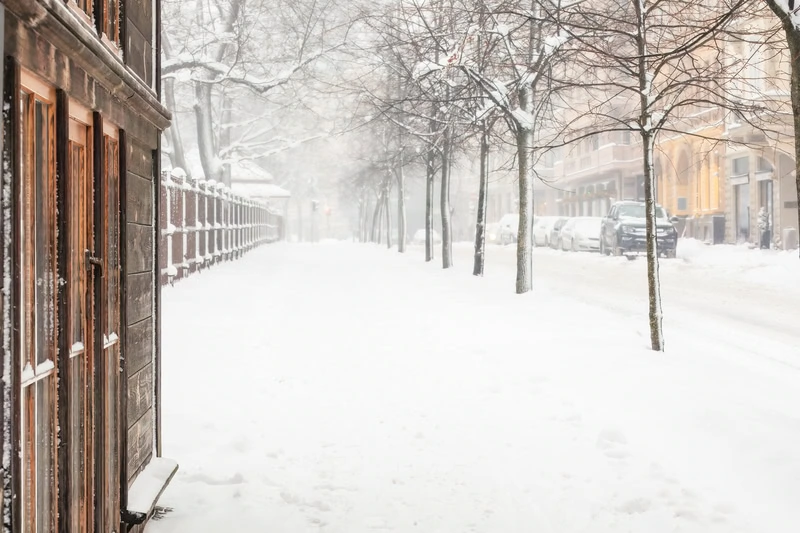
{"x": 107, "y": 294}
{"x": 94, "y": 366}
{"x": 80, "y": 328}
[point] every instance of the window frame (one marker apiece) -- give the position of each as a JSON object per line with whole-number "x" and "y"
{"x": 112, "y": 346}
{"x": 41, "y": 374}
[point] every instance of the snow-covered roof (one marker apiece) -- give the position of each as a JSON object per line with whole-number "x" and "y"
{"x": 255, "y": 189}
{"x": 249, "y": 171}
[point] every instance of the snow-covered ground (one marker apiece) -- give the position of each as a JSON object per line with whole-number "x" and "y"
{"x": 345, "y": 388}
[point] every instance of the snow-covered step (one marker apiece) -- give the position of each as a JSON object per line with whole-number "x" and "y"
{"x": 148, "y": 488}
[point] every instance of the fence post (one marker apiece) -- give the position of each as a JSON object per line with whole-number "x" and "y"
{"x": 163, "y": 241}
{"x": 191, "y": 225}
{"x": 171, "y": 271}
{"x": 184, "y": 228}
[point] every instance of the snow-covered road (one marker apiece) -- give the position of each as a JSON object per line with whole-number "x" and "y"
{"x": 347, "y": 389}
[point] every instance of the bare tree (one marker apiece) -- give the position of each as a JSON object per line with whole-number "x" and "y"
{"x": 222, "y": 51}
{"x": 787, "y": 13}
{"x": 648, "y": 67}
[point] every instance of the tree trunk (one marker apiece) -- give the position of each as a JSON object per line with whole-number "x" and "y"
{"x": 225, "y": 137}
{"x": 401, "y": 208}
{"x": 483, "y": 190}
{"x": 524, "y": 149}
{"x": 648, "y": 143}
{"x": 388, "y": 216}
{"x": 178, "y": 156}
{"x": 444, "y": 200}
{"x": 205, "y": 132}
{"x": 653, "y": 276}
{"x": 376, "y": 220}
{"x": 429, "y": 188}
{"x": 793, "y": 38}
{"x": 363, "y": 218}
{"x": 300, "y": 221}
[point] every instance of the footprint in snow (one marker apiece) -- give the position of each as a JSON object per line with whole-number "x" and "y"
{"x": 613, "y": 444}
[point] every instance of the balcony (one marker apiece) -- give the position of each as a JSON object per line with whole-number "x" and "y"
{"x": 608, "y": 159}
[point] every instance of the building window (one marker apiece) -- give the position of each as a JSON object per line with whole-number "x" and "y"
{"x": 111, "y": 19}
{"x": 742, "y": 193}
{"x": 85, "y": 6}
{"x": 37, "y": 310}
{"x": 740, "y": 166}
{"x": 763, "y": 165}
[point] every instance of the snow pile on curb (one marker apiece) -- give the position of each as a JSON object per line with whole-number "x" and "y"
{"x": 772, "y": 267}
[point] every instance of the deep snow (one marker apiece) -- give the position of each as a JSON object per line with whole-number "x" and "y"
{"x": 345, "y": 388}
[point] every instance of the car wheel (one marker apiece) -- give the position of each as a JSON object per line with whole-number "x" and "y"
{"x": 671, "y": 254}
{"x": 616, "y": 250}
{"x": 573, "y": 247}
{"x": 630, "y": 257}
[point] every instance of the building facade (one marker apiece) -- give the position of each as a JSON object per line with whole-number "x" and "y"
{"x": 82, "y": 123}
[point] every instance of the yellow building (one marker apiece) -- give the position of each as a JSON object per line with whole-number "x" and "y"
{"x": 690, "y": 180}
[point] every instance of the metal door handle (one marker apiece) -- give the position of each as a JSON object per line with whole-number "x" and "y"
{"x": 92, "y": 261}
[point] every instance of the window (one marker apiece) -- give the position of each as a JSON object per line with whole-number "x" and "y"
{"x": 85, "y": 6}
{"x": 111, "y": 20}
{"x": 740, "y": 166}
{"x": 37, "y": 310}
{"x": 763, "y": 165}
{"x": 79, "y": 369}
{"x": 594, "y": 142}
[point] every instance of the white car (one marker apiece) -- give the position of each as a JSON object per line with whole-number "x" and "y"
{"x": 582, "y": 233}
{"x": 542, "y": 229}
{"x": 509, "y": 228}
{"x": 419, "y": 237}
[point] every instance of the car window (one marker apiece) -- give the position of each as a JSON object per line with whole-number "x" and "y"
{"x": 638, "y": 211}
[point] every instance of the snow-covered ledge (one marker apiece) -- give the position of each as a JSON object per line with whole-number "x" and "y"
{"x": 148, "y": 488}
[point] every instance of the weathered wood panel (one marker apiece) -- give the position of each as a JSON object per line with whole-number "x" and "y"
{"x": 139, "y": 248}
{"x": 140, "y": 14}
{"x": 139, "y": 205}
{"x": 140, "y": 160}
{"x": 65, "y": 68}
{"x": 139, "y": 347}
{"x": 140, "y": 393}
{"x": 140, "y": 297}
{"x": 140, "y": 445}
{"x": 140, "y": 54}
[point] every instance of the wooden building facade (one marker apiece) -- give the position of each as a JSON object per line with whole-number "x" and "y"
{"x": 80, "y": 300}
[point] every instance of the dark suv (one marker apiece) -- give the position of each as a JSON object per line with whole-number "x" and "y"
{"x": 624, "y": 231}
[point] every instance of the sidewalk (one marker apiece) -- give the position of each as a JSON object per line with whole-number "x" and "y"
{"x": 346, "y": 389}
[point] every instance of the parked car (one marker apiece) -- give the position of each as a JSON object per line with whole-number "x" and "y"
{"x": 492, "y": 232}
{"x": 541, "y": 230}
{"x": 419, "y": 237}
{"x": 509, "y": 228}
{"x": 624, "y": 231}
{"x": 554, "y": 240}
{"x": 581, "y": 233}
